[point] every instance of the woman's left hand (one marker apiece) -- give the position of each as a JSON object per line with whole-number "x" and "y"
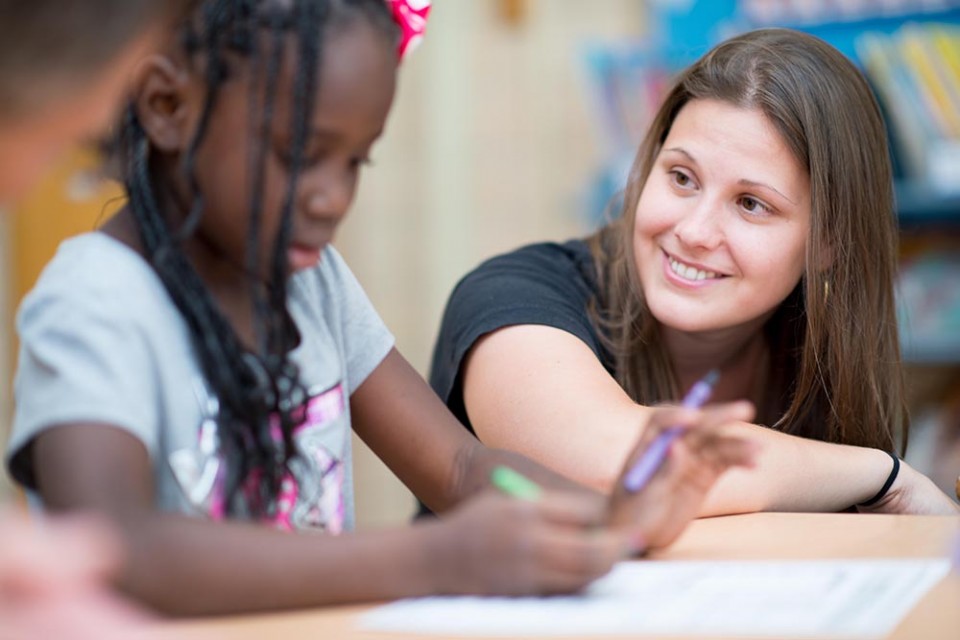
{"x": 914, "y": 493}
{"x": 660, "y": 511}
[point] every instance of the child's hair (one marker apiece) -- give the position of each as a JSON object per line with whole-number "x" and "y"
{"x": 63, "y": 42}
{"x": 835, "y": 359}
{"x": 250, "y": 385}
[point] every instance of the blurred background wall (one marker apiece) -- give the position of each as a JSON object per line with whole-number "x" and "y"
{"x": 490, "y": 145}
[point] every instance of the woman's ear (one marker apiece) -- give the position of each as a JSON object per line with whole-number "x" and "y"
{"x": 162, "y": 102}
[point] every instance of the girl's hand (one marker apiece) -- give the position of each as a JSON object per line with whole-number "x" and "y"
{"x": 657, "y": 514}
{"x": 914, "y": 493}
{"x": 496, "y": 545}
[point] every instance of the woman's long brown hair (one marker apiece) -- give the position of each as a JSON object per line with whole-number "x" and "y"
{"x": 835, "y": 371}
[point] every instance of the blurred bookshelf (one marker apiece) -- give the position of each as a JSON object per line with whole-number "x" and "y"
{"x": 919, "y": 209}
{"x": 909, "y": 51}
{"x": 929, "y": 305}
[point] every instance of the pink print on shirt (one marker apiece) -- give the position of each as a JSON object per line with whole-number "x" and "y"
{"x": 311, "y": 492}
{"x": 311, "y": 495}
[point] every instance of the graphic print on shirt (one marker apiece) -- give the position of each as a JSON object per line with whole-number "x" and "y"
{"x": 311, "y": 492}
{"x": 198, "y": 471}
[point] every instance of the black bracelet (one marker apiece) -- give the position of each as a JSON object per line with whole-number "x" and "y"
{"x": 886, "y": 485}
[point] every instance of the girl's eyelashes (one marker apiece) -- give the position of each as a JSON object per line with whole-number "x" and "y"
{"x": 309, "y": 156}
{"x": 361, "y": 161}
{"x": 313, "y": 156}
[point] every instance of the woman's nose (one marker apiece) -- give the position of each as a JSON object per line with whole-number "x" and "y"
{"x": 701, "y": 226}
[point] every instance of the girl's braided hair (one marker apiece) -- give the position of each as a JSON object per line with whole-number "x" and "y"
{"x": 251, "y": 385}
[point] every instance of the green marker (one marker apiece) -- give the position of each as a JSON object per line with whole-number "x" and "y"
{"x": 514, "y": 484}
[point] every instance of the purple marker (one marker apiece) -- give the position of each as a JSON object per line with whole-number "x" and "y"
{"x": 653, "y": 457}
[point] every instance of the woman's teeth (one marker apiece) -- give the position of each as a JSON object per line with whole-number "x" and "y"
{"x": 688, "y": 272}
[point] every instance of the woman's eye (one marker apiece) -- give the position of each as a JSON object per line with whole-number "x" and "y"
{"x": 681, "y": 179}
{"x": 753, "y": 206}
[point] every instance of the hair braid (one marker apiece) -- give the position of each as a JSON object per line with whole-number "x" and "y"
{"x": 251, "y": 384}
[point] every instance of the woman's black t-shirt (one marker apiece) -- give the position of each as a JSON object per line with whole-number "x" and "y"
{"x": 547, "y": 283}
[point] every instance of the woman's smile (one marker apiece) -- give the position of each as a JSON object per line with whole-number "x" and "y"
{"x": 689, "y": 274}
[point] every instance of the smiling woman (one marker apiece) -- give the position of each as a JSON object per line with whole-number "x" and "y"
{"x": 718, "y": 243}
{"x": 757, "y": 237}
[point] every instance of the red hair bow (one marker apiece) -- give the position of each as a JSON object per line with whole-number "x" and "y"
{"x": 411, "y": 15}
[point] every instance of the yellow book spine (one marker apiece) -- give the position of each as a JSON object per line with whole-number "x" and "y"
{"x": 946, "y": 43}
{"x": 923, "y": 68}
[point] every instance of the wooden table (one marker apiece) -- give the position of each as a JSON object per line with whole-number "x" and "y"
{"x": 787, "y": 536}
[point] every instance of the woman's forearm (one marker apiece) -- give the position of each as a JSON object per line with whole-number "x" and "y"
{"x": 798, "y": 474}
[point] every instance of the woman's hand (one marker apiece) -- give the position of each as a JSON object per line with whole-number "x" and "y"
{"x": 659, "y": 512}
{"x": 914, "y": 493}
{"x": 497, "y": 545}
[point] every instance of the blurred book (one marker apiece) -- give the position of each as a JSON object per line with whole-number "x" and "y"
{"x": 916, "y": 73}
{"x": 801, "y": 12}
{"x": 928, "y": 306}
{"x": 626, "y": 84}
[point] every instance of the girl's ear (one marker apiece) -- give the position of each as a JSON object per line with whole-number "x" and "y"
{"x": 162, "y": 100}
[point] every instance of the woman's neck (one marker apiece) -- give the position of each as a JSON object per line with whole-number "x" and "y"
{"x": 741, "y": 354}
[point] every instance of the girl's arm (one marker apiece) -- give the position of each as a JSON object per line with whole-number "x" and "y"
{"x": 188, "y": 566}
{"x": 397, "y": 414}
{"x": 404, "y": 422}
{"x": 490, "y": 544}
{"x": 541, "y": 392}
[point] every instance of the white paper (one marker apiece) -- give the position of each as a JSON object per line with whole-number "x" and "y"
{"x": 795, "y": 599}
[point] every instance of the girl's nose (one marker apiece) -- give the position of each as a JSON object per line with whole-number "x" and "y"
{"x": 330, "y": 196}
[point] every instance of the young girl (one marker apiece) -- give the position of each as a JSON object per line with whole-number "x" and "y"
{"x": 758, "y": 237}
{"x": 206, "y": 353}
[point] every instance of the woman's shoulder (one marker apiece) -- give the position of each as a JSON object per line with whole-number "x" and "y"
{"x": 569, "y": 254}
{"x": 541, "y": 260}
{"x": 559, "y": 266}
{"x": 544, "y": 283}
{"x": 547, "y": 283}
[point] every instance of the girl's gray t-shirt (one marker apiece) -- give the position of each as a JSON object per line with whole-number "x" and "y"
{"x": 102, "y": 342}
